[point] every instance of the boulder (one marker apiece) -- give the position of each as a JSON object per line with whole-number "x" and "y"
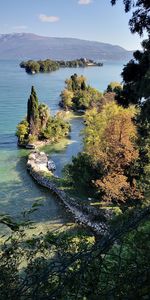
{"x": 51, "y": 165}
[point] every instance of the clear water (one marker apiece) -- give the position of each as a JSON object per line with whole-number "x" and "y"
{"x": 17, "y": 190}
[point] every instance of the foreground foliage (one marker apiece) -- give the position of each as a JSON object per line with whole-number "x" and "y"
{"x": 140, "y": 19}
{"x": 63, "y": 265}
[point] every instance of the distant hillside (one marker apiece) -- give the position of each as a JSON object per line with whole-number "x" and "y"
{"x": 30, "y": 46}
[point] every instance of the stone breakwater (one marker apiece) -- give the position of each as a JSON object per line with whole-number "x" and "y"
{"x": 83, "y": 214}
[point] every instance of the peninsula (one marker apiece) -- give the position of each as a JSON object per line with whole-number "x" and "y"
{"x": 39, "y": 125}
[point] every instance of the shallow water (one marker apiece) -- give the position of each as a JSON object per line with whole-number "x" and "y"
{"x": 17, "y": 190}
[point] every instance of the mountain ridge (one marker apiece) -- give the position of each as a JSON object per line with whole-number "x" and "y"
{"x": 31, "y": 46}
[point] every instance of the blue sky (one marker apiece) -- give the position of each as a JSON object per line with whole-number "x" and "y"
{"x": 86, "y": 19}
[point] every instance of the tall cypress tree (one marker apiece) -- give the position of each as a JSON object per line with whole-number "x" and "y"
{"x": 32, "y": 112}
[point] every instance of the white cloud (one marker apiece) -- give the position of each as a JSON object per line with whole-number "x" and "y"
{"x": 50, "y": 19}
{"x": 19, "y": 27}
{"x": 84, "y": 2}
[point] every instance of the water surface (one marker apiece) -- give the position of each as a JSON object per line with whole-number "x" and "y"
{"x": 17, "y": 190}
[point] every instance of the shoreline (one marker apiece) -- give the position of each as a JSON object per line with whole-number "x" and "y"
{"x": 82, "y": 214}
{"x": 67, "y": 116}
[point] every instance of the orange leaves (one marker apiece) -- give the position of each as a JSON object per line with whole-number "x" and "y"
{"x": 114, "y": 186}
{"x": 120, "y": 135}
{"x": 110, "y": 137}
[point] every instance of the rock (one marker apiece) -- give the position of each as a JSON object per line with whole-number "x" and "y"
{"x": 51, "y": 165}
{"x": 38, "y": 161}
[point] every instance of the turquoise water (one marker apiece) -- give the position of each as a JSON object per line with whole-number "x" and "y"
{"x": 17, "y": 190}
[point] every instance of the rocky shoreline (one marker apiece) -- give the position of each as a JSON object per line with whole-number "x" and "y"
{"x": 35, "y": 145}
{"x": 86, "y": 215}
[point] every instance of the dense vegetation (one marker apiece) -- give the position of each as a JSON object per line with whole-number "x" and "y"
{"x": 74, "y": 266}
{"x": 117, "y": 131}
{"x": 110, "y": 161}
{"x": 39, "y": 124}
{"x": 115, "y": 265}
{"x": 116, "y": 153}
{"x": 79, "y": 96}
{"x": 48, "y": 65}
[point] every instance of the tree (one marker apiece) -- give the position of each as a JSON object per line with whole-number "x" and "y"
{"x": 136, "y": 74}
{"x": 77, "y": 95}
{"x": 66, "y": 98}
{"x": 110, "y": 141}
{"x": 39, "y": 124}
{"x": 113, "y": 87}
{"x": 33, "y": 112}
{"x": 32, "y": 66}
{"x": 82, "y": 164}
{"x": 83, "y": 86}
{"x": 44, "y": 114}
{"x": 136, "y": 77}
{"x": 56, "y": 128}
{"x": 75, "y": 82}
{"x": 140, "y": 19}
{"x": 22, "y": 131}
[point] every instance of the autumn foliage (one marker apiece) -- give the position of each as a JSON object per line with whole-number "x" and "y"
{"x": 110, "y": 137}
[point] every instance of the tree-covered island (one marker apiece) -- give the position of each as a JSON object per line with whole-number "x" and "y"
{"x": 48, "y": 65}
{"x": 40, "y": 125}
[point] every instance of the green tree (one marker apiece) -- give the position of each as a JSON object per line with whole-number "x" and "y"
{"x": 33, "y": 112}
{"x": 77, "y": 95}
{"x": 56, "y": 129}
{"x": 83, "y": 85}
{"x": 113, "y": 87}
{"x": 140, "y": 19}
{"x": 22, "y": 131}
{"x": 136, "y": 77}
{"x": 82, "y": 164}
{"x": 66, "y": 99}
{"x": 31, "y": 66}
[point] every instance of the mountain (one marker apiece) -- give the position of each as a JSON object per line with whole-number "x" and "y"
{"x": 24, "y": 46}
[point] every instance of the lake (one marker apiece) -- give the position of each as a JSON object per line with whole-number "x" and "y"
{"x": 17, "y": 189}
